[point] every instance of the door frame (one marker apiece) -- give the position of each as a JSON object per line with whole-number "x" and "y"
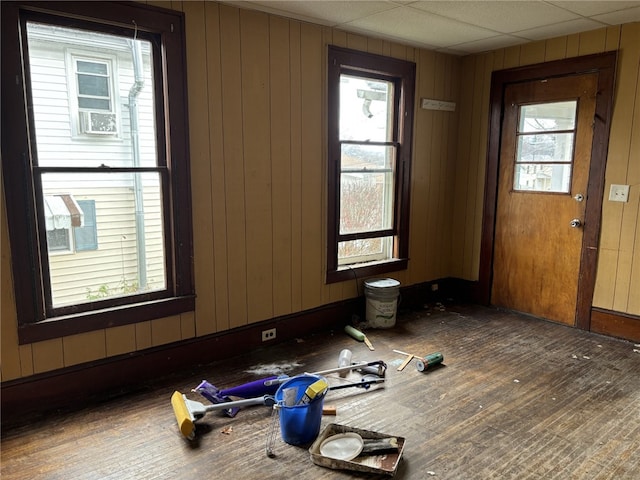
{"x": 604, "y": 64}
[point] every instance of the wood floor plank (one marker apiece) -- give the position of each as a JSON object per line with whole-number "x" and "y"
{"x": 516, "y": 398}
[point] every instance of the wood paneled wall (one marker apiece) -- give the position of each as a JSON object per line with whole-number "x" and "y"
{"x": 618, "y": 275}
{"x": 257, "y": 123}
{"x": 258, "y": 158}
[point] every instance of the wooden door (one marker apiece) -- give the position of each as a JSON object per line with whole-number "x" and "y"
{"x": 545, "y": 153}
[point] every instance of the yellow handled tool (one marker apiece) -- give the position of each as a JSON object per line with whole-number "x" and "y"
{"x": 188, "y": 411}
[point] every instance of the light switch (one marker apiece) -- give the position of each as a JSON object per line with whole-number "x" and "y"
{"x": 619, "y": 193}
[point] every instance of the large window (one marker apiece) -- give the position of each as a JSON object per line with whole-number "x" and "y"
{"x": 370, "y": 129}
{"x": 95, "y": 165}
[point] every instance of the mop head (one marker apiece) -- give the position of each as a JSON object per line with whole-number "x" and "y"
{"x": 183, "y": 415}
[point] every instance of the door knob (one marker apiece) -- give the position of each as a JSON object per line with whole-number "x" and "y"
{"x": 575, "y": 223}
{"x": 579, "y": 197}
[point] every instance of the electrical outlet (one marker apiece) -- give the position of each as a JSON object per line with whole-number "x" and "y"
{"x": 619, "y": 193}
{"x": 268, "y": 334}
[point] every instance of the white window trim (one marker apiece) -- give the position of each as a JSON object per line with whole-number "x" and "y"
{"x": 70, "y": 250}
{"x": 72, "y": 55}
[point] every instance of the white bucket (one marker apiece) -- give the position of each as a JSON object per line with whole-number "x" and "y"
{"x": 381, "y": 296}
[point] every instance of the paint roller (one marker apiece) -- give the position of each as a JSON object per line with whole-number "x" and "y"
{"x": 358, "y": 335}
{"x": 187, "y": 412}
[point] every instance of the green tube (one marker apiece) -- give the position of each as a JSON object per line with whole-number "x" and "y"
{"x": 429, "y": 361}
{"x": 355, "y": 333}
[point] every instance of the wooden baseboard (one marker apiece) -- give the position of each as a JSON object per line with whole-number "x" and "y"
{"x": 73, "y": 387}
{"x": 615, "y": 324}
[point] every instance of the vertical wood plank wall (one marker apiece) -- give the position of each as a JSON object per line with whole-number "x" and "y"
{"x": 618, "y": 274}
{"x": 257, "y": 124}
{"x": 257, "y": 95}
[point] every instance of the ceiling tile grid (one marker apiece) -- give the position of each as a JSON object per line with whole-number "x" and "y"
{"x": 459, "y": 27}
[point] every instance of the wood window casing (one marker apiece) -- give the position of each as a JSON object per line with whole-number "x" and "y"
{"x": 402, "y": 74}
{"x": 165, "y": 30}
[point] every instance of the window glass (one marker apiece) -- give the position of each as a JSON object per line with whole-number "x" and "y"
{"x": 366, "y": 186}
{"x": 130, "y": 258}
{"x": 544, "y": 150}
{"x": 370, "y": 123}
{"x": 366, "y": 109}
{"x": 58, "y": 240}
{"x": 100, "y": 178}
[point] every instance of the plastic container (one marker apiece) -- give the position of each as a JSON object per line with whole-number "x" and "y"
{"x": 381, "y": 296}
{"x": 344, "y": 360}
{"x": 300, "y": 424}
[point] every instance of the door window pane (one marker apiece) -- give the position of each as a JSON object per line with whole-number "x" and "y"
{"x": 544, "y": 151}
{"x": 543, "y": 177}
{"x": 546, "y": 147}
{"x": 544, "y": 117}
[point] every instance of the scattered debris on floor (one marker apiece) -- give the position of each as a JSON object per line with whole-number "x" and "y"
{"x": 274, "y": 368}
{"x": 227, "y": 430}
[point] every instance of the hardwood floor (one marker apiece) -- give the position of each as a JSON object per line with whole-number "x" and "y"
{"x": 516, "y": 398}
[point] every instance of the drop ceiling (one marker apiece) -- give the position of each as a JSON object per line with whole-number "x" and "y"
{"x": 457, "y": 27}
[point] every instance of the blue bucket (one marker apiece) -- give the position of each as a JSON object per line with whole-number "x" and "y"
{"x": 300, "y": 424}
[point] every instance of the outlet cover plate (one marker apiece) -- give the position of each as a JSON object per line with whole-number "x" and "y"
{"x": 619, "y": 193}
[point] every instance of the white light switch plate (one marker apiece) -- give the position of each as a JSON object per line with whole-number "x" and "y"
{"x": 619, "y": 193}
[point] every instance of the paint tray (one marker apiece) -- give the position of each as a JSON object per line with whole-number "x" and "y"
{"x": 386, "y": 464}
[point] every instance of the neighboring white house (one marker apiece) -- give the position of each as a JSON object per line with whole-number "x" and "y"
{"x": 104, "y": 230}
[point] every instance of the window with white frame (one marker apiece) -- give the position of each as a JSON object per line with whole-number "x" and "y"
{"x": 93, "y": 82}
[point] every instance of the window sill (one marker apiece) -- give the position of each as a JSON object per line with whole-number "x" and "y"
{"x": 366, "y": 270}
{"x": 110, "y": 317}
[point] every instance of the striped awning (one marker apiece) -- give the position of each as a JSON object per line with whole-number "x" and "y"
{"x": 62, "y": 211}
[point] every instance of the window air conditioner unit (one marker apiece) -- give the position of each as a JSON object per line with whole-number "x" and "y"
{"x": 98, "y": 123}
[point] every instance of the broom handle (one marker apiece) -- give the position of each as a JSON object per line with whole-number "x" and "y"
{"x": 343, "y": 369}
{"x": 324, "y": 372}
{"x": 264, "y": 400}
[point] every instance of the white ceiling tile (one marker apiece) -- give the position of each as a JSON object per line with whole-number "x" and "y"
{"x": 501, "y": 16}
{"x": 459, "y": 26}
{"x": 487, "y": 44}
{"x": 416, "y": 25}
{"x": 591, "y": 8}
{"x": 560, "y": 29}
{"x": 620, "y": 17}
{"x": 331, "y": 12}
